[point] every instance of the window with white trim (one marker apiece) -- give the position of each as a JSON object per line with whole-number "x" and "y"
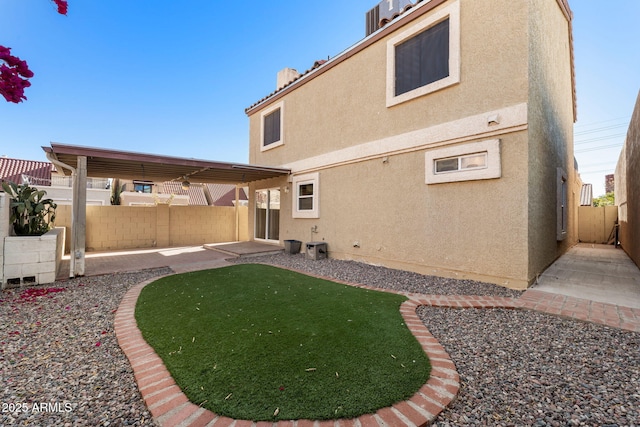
{"x": 461, "y": 163}
{"x": 425, "y": 57}
{"x": 305, "y": 196}
{"x": 271, "y": 127}
{"x": 562, "y": 204}
{"x": 466, "y": 162}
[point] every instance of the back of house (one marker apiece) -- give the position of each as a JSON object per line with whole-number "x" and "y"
{"x": 441, "y": 143}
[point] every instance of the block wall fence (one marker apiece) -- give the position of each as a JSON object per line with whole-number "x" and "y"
{"x": 135, "y": 227}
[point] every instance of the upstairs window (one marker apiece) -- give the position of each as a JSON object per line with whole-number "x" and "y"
{"x": 425, "y": 57}
{"x": 271, "y": 127}
{"x": 143, "y": 187}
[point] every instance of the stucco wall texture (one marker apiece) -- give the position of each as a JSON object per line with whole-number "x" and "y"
{"x": 627, "y": 188}
{"x": 374, "y": 204}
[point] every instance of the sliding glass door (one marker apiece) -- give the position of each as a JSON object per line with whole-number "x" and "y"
{"x": 267, "y": 222}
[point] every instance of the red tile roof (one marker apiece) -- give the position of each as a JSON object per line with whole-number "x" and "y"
{"x": 195, "y": 192}
{"x": 223, "y": 194}
{"x": 13, "y": 169}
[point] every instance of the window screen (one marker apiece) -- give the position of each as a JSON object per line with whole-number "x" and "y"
{"x": 272, "y": 128}
{"x": 305, "y": 197}
{"x": 423, "y": 59}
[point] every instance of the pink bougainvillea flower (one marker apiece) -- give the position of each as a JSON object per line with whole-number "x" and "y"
{"x": 63, "y": 6}
{"x": 104, "y": 332}
{"x": 98, "y": 344}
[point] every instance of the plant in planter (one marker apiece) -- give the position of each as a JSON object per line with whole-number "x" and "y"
{"x": 31, "y": 213}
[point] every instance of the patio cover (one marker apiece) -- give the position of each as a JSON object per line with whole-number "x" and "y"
{"x": 104, "y": 163}
{"x": 82, "y": 162}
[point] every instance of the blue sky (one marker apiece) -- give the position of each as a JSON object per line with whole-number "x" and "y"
{"x": 174, "y": 78}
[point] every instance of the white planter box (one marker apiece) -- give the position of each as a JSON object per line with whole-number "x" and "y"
{"x": 32, "y": 260}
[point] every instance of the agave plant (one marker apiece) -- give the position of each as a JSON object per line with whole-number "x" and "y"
{"x": 31, "y": 213}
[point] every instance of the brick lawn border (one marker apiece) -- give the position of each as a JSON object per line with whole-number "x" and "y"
{"x": 170, "y": 407}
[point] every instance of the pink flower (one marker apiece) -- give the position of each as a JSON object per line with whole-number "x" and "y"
{"x": 62, "y": 6}
{"x": 98, "y": 344}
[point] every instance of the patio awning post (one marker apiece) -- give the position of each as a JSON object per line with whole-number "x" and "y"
{"x": 79, "y": 218}
{"x": 237, "y": 212}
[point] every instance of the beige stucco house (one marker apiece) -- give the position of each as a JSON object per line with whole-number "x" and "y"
{"x": 441, "y": 143}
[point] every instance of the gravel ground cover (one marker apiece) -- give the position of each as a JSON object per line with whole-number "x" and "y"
{"x": 59, "y": 355}
{"x": 523, "y": 368}
{"x": 60, "y": 363}
{"x": 383, "y": 278}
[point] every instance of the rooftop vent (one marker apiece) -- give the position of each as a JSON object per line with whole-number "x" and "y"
{"x": 384, "y": 12}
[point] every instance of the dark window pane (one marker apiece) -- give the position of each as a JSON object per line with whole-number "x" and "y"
{"x": 447, "y": 165}
{"x": 305, "y": 204}
{"x": 306, "y": 190}
{"x": 272, "y": 128}
{"x": 423, "y": 59}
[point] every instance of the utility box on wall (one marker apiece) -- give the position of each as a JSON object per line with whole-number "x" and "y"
{"x": 316, "y": 250}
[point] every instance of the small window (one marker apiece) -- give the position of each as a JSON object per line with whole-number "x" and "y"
{"x": 466, "y": 162}
{"x": 271, "y": 127}
{"x": 460, "y": 163}
{"x": 306, "y": 196}
{"x": 143, "y": 187}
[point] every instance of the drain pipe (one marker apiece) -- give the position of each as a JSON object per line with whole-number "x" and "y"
{"x": 72, "y": 259}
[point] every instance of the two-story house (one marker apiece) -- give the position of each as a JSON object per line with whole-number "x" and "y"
{"x": 441, "y": 143}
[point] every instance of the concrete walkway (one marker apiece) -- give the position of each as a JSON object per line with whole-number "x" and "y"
{"x": 600, "y": 273}
{"x": 180, "y": 260}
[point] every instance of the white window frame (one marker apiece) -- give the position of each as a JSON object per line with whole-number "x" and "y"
{"x": 311, "y": 178}
{"x": 460, "y": 160}
{"x": 263, "y": 114}
{"x": 453, "y": 13}
{"x": 491, "y": 170}
{"x": 562, "y": 208}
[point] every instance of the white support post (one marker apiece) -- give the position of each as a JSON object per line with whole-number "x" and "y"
{"x": 79, "y": 219}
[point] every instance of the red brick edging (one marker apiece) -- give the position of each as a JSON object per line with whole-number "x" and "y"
{"x": 170, "y": 407}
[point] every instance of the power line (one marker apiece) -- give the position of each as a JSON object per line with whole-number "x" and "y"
{"x": 600, "y": 138}
{"x": 600, "y": 147}
{"x": 627, "y": 119}
{"x": 626, "y": 125}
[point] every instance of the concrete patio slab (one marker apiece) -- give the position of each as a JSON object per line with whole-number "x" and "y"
{"x": 599, "y": 273}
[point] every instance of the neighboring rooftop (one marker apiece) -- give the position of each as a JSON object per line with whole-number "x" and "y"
{"x": 14, "y": 169}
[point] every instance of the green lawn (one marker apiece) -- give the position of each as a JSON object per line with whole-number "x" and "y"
{"x": 262, "y": 343}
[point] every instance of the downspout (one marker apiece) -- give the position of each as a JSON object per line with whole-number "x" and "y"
{"x": 72, "y": 259}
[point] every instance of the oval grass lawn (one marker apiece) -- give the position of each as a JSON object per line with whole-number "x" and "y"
{"x": 260, "y": 343}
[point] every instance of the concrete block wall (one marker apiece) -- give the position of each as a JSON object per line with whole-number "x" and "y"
{"x": 133, "y": 227}
{"x": 191, "y": 225}
{"x": 31, "y": 259}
